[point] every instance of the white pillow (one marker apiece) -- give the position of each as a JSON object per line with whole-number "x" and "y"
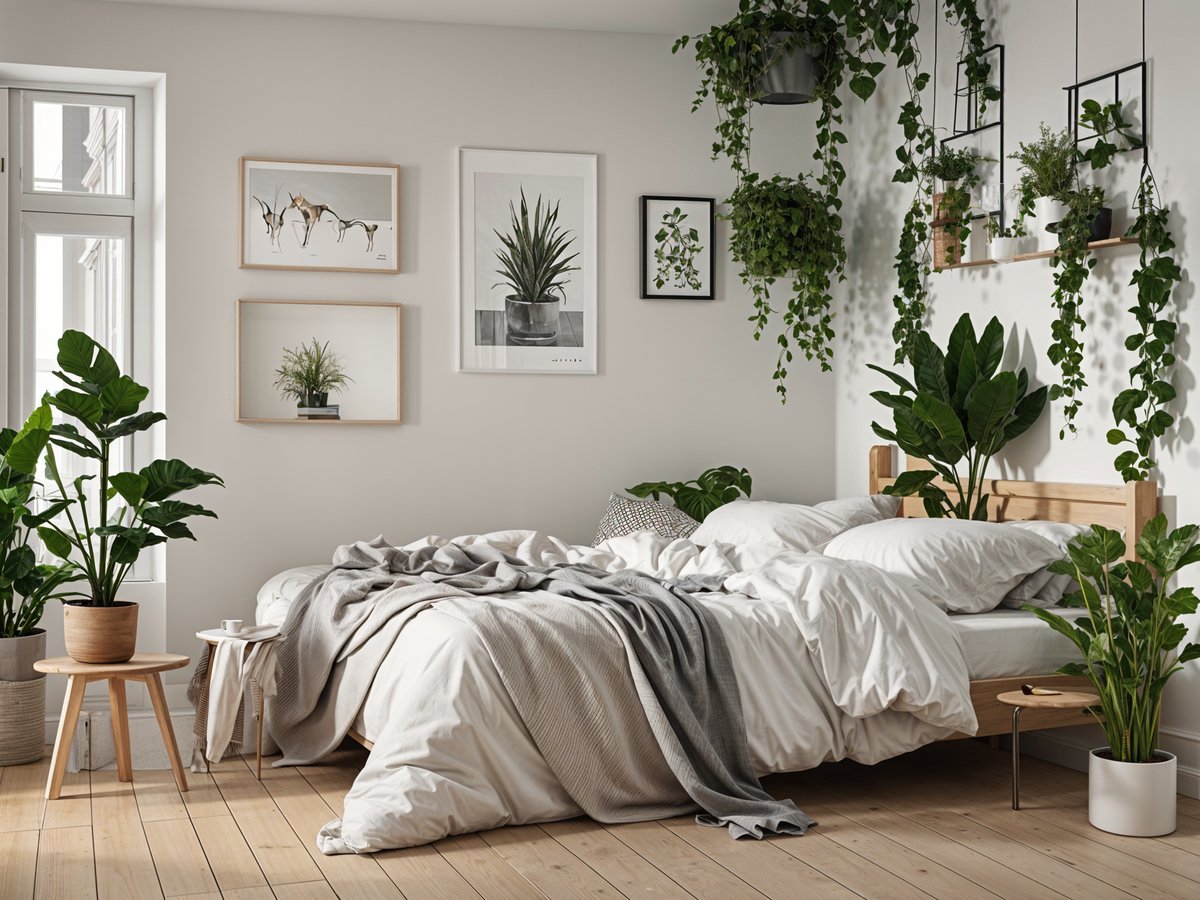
{"x": 964, "y": 566}
{"x": 788, "y": 525}
{"x": 1045, "y": 588}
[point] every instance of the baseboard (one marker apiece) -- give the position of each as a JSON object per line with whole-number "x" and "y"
{"x": 1070, "y": 747}
{"x": 92, "y": 747}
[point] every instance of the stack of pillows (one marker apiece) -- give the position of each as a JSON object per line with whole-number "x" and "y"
{"x": 965, "y": 567}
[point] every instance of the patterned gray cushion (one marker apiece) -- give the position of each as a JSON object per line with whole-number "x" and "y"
{"x": 625, "y": 516}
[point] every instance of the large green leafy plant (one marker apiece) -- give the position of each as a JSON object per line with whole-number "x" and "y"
{"x": 957, "y": 411}
{"x": 700, "y": 496}
{"x": 1131, "y": 635}
{"x": 131, "y": 511}
{"x": 25, "y": 585}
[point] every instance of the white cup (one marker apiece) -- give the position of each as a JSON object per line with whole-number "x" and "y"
{"x": 231, "y": 626}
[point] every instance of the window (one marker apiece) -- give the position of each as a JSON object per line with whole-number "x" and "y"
{"x": 77, "y": 249}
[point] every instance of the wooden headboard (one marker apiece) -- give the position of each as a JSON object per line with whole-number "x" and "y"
{"x": 1129, "y": 506}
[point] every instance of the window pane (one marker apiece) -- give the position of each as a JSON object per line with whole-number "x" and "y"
{"x": 79, "y": 147}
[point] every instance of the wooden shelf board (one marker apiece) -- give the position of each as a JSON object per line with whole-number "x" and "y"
{"x": 1040, "y": 254}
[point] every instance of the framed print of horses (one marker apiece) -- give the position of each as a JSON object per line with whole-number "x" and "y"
{"x": 319, "y": 216}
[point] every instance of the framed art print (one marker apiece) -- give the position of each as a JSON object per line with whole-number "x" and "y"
{"x": 527, "y": 262}
{"x": 326, "y": 217}
{"x": 678, "y": 262}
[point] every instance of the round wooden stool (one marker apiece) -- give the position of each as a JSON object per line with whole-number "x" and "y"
{"x": 143, "y": 667}
{"x": 1019, "y": 700}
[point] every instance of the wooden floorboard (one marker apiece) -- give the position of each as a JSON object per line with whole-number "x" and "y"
{"x": 936, "y": 823}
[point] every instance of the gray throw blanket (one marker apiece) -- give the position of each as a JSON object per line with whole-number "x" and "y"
{"x": 676, "y": 654}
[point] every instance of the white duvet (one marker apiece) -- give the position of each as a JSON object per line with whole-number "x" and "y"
{"x": 834, "y": 659}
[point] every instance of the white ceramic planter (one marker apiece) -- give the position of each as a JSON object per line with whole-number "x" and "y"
{"x": 1002, "y": 249}
{"x": 1049, "y": 212}
{"x": 1135, "y": 799}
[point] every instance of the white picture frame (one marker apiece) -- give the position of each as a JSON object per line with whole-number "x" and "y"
{"x": 488, "y": 181}
{"x": 318, "y": 216}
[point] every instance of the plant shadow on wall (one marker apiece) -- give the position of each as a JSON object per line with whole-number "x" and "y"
{"x": 786, "y": 231}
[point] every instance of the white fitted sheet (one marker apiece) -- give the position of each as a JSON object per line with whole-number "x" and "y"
{"x": 1004, "y": 642}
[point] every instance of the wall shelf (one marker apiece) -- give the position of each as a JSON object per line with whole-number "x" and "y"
{"x": 1040, "y": 254}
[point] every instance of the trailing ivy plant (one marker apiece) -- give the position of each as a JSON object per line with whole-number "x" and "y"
{"x": 1139, "y": 409}
{"x": 783, "y": 229}
{"x": 853, "y": 38}
{"x": 1072, "y": 264}
{"x": 1107, "y": 123}
{"x": 675, "y": 250}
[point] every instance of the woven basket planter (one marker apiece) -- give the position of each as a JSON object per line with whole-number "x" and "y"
{"x": 22, "y": 721}
{"x": 947, "y": 246}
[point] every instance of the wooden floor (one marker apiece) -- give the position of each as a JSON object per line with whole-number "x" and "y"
{"x": 936, "y": 823}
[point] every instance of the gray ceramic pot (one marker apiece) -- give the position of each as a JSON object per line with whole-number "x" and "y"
{"x": 17, "y": 656}
{"x": 22, "y": 699}
{"x": 532, "y": 323}
{"x": 793, "y": 77}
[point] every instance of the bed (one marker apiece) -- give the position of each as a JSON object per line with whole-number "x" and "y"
{"x": 464, "y": 760}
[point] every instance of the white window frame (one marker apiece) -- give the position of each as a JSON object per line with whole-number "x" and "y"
{"x": 136, "y": 207}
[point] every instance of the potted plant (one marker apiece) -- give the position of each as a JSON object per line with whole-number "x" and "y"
{"x": 25, "y": 586}
{"x": 103, "y": 532}
{"x": 1003, "y": 243}
{"x": 309, "y": 373}
{"x": 957, "y": 409}
{"x": 1129, "y": 641}
{"x": 1047, "y": 175}
{"x": 957, "y": 171}
{"x": 534, "y": 264}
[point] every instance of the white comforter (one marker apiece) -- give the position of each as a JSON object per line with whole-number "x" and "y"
{"x": 834, "y": 659}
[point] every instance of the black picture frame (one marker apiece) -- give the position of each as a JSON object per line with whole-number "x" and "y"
{"x": 649, "y": 290}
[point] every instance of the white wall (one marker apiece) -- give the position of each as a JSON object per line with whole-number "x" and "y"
{"x": 682, "y": 385}
{"x": 1040, "y": 61}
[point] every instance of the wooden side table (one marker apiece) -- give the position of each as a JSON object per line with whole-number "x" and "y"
{"x": 211, "y": 637}
{"x": 143, "y": 667}
{"x": 1019, "y": 700}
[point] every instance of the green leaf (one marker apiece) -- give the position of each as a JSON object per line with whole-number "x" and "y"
{"x": 941, "y": 418}
{"x": 55, "y": 542}
{"x": 911, "y": 482}
{"x": 173, "y": 511}
{"x": 130, "y": 486}
{"x": 25, "y": 448}
{"x": 991, "y": 348}
{"x": 862, "y": 85}
{"x": 82, "y": 406}
{"x": 132, "y": 425}
{"x": 989, "y": 407}
{"x": 167, "y": 477}
{"x": 122, "y": 397}
{"x": 81, "y": 356}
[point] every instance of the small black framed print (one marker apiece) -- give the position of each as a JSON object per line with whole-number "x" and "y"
{"x": 678, "y": 262}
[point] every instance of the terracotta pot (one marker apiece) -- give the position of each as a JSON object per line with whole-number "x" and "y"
{"x": 100, "y": 634}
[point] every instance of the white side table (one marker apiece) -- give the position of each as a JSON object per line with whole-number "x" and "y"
{"x": 211, "y": 637}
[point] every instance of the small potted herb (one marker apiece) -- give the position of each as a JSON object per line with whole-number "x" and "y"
{"x": 957, "y": 171}
{"x": 1048, "y": 175}
{"x": 535, "y": 264}
{"x": 1003, "y": 241}
{"x": 309, "y": 373}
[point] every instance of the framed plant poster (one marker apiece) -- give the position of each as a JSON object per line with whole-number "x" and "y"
{"x": 325, "y": 217}
{"x": 325, "y": 362}
{"x": 527, "y": 262}
{"x": 678, "y": 262}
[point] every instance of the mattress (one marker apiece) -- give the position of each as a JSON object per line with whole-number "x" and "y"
{"x": 1010, "y": 642}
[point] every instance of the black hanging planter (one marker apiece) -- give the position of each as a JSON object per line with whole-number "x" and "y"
{"x": 793, "y": 74}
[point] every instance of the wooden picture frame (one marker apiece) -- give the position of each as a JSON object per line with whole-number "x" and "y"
{"x": 651, "y": 222}
{"x": 375, "y": 328}
{"x": 317, "y": 216}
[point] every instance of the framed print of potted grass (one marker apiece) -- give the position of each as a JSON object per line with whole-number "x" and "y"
{"x": 102, "y": 527}
{"x": 25, "y": 588}
{"x": 527, "y": 262}
{"x": 1130, "y": 642}
{"x": 678, "y": 262}
{"x": 308, "y": 374}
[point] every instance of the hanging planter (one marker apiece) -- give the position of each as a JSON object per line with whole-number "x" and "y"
{"x": 793, "y": 71}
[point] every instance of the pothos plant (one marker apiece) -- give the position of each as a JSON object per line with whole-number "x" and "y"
{"x": 853, "y": 37}
{"x": 676, "y": 248}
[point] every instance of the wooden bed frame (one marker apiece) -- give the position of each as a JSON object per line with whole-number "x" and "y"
{"x": 1129, "y": 507}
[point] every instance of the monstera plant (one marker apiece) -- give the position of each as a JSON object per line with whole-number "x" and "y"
{"x": 700, "y": 496}
{"x": 956, "y": 413}
{"x": 104, "y": 531}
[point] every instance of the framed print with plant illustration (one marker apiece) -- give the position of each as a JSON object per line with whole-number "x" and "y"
{"x": 678, "y": 262}
{"x": 325, "y": 217}
{"x": 318, "y": 361}
{"x": 527, "y": 262}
